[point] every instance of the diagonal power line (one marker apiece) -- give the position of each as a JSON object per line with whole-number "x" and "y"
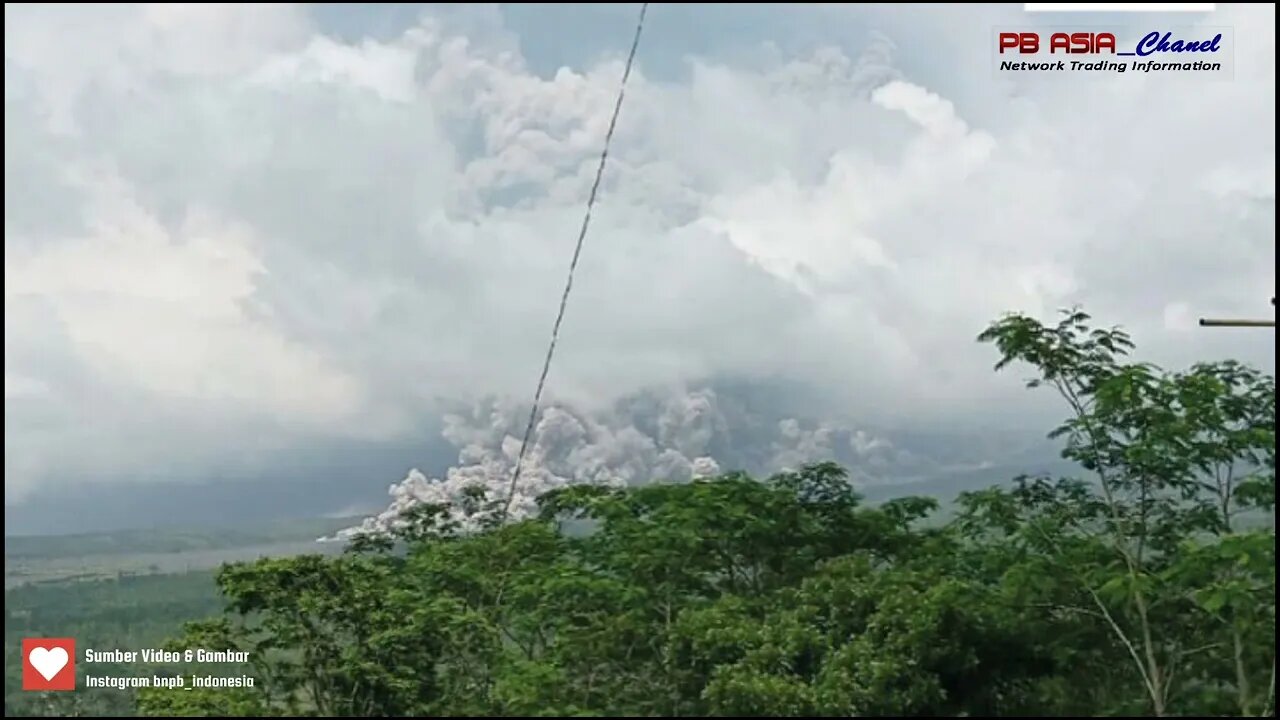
{"x": 573, "y": 264}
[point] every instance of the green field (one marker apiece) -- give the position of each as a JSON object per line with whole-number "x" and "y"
{"x": 128, "y": 613}
{"x": 124, "y": 590}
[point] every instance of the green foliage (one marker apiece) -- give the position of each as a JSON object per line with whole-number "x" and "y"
{"x": 1151, "y": 546}
{"x": 529, "y": 619}
{"x": 203, "y": 701}
{"x": 1144, "y": 587}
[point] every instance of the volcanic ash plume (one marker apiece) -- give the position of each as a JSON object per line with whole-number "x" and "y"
{"x": 567, "y": 448}
{"x": 653, "y": 436}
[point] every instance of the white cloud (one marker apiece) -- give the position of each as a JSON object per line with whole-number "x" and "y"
{"x": 165, "y": 312}
{"x": 223, "y": 218}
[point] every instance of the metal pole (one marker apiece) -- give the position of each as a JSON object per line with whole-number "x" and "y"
{"x": 1207, "y": 322}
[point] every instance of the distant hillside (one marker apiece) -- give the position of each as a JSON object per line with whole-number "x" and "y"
{"x": 166, "y": 540}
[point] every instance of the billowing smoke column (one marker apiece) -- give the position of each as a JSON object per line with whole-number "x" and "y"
{"x": 567, "y": 448}
{"x": 649, "y": 437}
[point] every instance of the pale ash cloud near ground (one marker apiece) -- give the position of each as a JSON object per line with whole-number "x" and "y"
{"x": 227, "y": 233}
{"x": 647, "y": 437}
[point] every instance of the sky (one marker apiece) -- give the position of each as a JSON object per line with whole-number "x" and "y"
{"x": 261, "y": 259}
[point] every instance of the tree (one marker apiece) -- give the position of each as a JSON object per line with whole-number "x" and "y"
{"x": 1147, "y": 586}
{"x": 1150, "y": 544}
